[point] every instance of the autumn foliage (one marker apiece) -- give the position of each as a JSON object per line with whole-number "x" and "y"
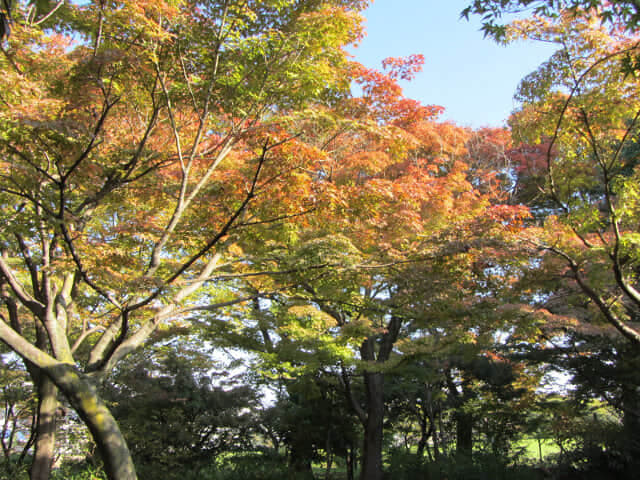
{"x": 224, "y": 172}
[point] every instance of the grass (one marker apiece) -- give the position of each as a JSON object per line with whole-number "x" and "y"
{"x": 534, "y": 450}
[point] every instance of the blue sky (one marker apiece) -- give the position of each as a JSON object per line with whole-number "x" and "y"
{"x": 472, "y": 77}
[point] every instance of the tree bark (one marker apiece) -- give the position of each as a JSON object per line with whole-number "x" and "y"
{"x": 45, "y": 432}
{"x": 464, "y": 420}
{"x": 464, "y": 433}
{"x": 373, "y": 420}
{"x": 350, "y": 460}
{"x": 373, "y": 427}
{"x": 329, "y": 453}
{"x": 84, "y": 398}
{"x": 431, "y": 412}
{"x": 630, "y": 402}
{"x": 45, "y": 442}
{"x": 425, "y": 433}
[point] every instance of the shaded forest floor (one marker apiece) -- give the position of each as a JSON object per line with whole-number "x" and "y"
{"x": 400, "y": 466}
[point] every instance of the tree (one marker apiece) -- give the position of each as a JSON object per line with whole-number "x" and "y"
{"x": 401, "y": 206}
{"x": 577, "y": 130}
{"x": 135, "y": 137}
{"x": 313, "y": 418}
{"x": 18, "y": 418}
{"x": 174, "y": 410}
{"x": 626, "y": 12}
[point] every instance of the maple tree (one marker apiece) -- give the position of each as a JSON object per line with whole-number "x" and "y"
{"x": 16, "y": 434}
{"x": 174, "y": 410}
{"x": 577, "y": 128}
{"x": 397, "y": 193}
{"x": 626, "y": 12}
{"x": 577, "y": 131}
{"x": 136, "y": 140}
{"x": 176, "y": 166}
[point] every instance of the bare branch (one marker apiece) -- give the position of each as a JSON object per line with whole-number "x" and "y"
{"x": 25, "y": 349}
{"x": 36, "y": 307}
{"x": 577, "y": 83}
{"x": 48, "y": 15}
{"x": 84, "y": 335}
{"x": 216, "y": 306}
{"x": 92, "y": 143}
{"x": 346, "y": 383}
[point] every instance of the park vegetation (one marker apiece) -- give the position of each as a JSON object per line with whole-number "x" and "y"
{"x": 229, "y": 251}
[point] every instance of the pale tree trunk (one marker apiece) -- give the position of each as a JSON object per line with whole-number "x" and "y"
{"x": 45, "y": 437}
{"x": 84, "y": 398}
{"x": 45, "y": 441}
{"x": 44, "y": 433}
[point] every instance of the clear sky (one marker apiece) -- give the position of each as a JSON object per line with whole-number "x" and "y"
{"x": 472, "y": 77}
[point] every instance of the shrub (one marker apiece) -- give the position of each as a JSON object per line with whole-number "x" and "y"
{"x": 407, "y": 466}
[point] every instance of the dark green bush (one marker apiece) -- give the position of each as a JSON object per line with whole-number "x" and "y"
{"x": 407, "y": 466}
{"x": 251, "y": 466}
{"x": 12, "y": 471}
{"x": 78, "y": 471}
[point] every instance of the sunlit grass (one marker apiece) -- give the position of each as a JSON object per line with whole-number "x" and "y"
{"x": 538, "y": 450}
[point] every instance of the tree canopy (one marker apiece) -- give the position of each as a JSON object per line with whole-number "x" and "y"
{"x": 187, "y": 181}
{"x": 626, "y": 12}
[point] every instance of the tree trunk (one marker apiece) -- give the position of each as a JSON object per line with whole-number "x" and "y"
{"x": 631, "y": 424}
{"x": 424, "y": 435}
{"x": 464, "y": 420}
{"x": 350, "y": 460}
{"x": 45, "y": 429}
{"x": 373, "y": 418}
{"x": 84, "y": 398}
{"x": 329, "y": 453}
{"x": 327, "y": 474}
{"x": 540, "y": 448}
{"x": 372, "y": 445}
{"x": 431, "y": 413}
{"x": 300, "y": 462}
{"x": 464, "y": 433}
{"x": 443, "y": 441}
